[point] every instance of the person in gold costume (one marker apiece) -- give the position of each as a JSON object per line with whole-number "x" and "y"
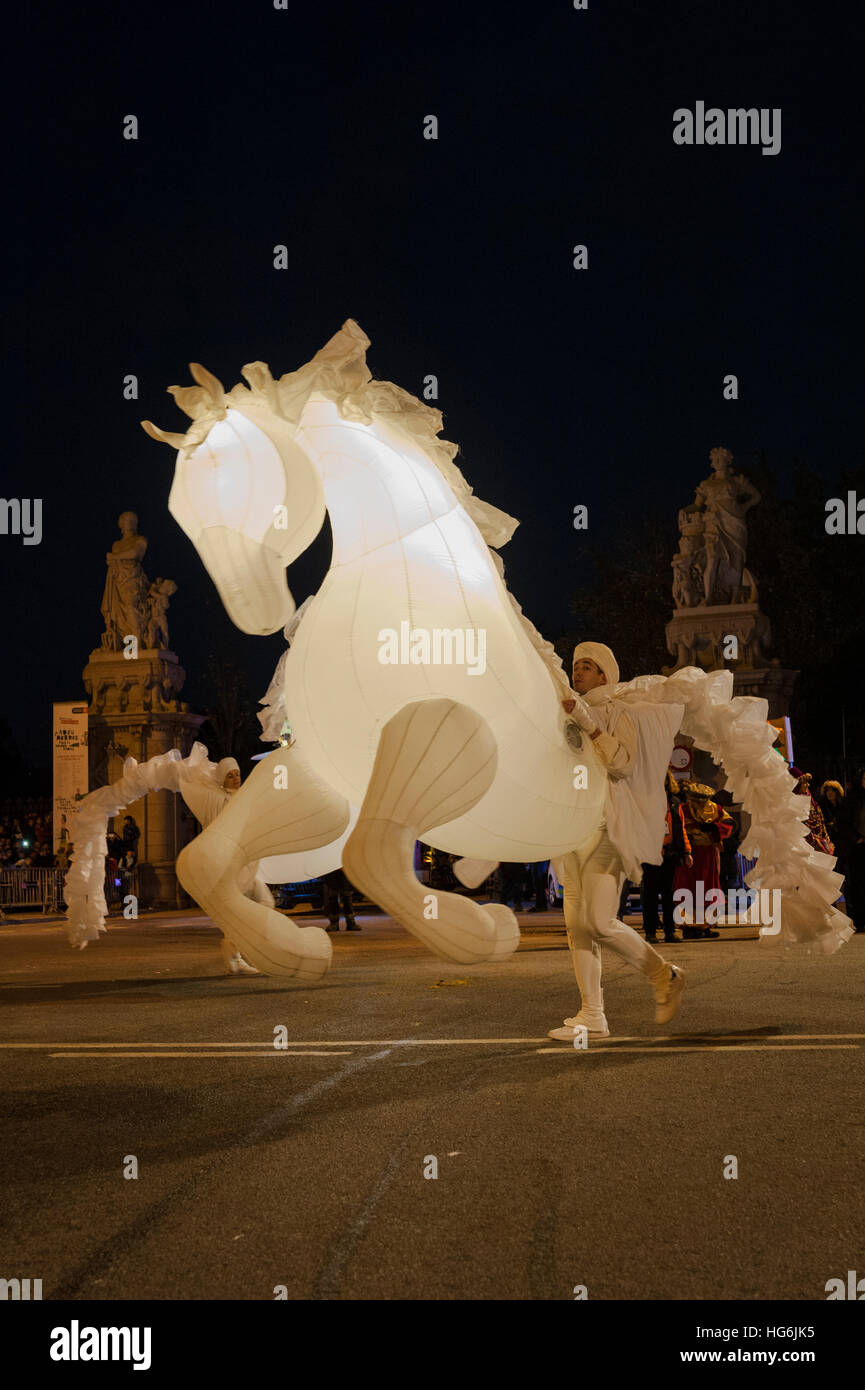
{"x": 818, "y": 836}
{"x": 707, "y": 825}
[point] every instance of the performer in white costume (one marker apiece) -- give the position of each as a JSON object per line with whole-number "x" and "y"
{"x": 206, "y": 796}
{"x": 634, "y": 743}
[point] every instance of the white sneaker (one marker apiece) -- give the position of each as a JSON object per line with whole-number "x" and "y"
{"x": 668, "y": 995}
{"x": 238, "y": 966}
{"x": 234, "y": 962}
{"x": 593, "y": 1020}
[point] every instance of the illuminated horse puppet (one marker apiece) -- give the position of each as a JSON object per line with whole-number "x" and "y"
{"x": 423, "y": 703}
{"x": 416, "y": 690}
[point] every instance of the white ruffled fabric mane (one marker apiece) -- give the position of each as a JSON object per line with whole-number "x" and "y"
{"x": 339, "y": 372}
{"x": 734, "y": 730}
{"x": 84, "y": 884}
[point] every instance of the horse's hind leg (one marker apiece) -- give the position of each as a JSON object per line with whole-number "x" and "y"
{"x": 282, "y": 807}
{"x": 436, "y": 758}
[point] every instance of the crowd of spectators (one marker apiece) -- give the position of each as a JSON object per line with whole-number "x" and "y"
{"x": 841, "y": 825}
{"x": 25, "y": 834}
{"x": 122, "y": 855}
{"x": 26, "y": 838}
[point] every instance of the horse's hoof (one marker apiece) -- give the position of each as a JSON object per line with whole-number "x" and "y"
{"x": 507, "y": 930}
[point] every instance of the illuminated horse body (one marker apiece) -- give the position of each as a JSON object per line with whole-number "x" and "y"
{"x": 416, "y": 689}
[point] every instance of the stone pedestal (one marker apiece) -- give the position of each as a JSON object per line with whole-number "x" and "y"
{"x": 773, "y": 683}
{"x": 700, "y": 637}
{"x": 134, "y": 712}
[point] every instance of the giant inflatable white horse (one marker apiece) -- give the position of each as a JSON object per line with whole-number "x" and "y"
{"x": 417, "y": 691}
{"x": 423, "y": 703}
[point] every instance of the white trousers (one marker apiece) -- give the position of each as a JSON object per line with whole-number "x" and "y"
{"x": 259, "y": 892}
{"x": 593, "y": 882}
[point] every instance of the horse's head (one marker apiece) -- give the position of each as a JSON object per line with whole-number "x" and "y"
{"x": 246, "y": 495}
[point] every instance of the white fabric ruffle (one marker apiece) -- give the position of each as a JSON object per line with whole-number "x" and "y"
{"x": 273, "y": 715}
{"x": 339, "y": 372}
{"x": 735, "y": 731}
{"x": 84, "y": 885}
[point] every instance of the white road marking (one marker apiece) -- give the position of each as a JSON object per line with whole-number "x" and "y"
{"x": 444, "y": 1042}
{"x": 273, "y": 1052}
{"x": 314, "y": 1042}
{"x": 597, "y": 1048}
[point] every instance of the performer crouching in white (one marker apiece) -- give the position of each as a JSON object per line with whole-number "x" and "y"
{"x": 634, "y": 743}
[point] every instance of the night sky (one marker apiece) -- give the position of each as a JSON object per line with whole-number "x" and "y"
{"x": 305, "y": 127}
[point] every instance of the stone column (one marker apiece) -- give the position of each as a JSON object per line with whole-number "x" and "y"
{"x": 134, "y": 712}
{"x": 700, "y": 637}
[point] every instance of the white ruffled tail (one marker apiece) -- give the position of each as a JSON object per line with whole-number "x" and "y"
{"x": 735, "y": 730}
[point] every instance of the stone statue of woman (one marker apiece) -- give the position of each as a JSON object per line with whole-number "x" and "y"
{"x": 725, "y": 498}
{"x": 125, "y": 600}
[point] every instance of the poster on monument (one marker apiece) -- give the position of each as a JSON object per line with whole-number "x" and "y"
{"x": 70, "y": 768}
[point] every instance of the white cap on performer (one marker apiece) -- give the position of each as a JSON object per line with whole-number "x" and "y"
{"x": 223, "y": 768}
{"x": 602, "y": 657}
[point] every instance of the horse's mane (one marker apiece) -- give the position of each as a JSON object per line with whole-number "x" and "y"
{"x": 339, "y": 371}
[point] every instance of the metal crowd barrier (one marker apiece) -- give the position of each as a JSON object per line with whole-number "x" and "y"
{"x": 119, "y": 885}
{"x": 32, "y": 888}
{"x": 43, "y": 888}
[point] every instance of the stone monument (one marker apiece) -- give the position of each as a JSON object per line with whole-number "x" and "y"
{"x": 718, "y": 623}
{"x": 133, "y": 680}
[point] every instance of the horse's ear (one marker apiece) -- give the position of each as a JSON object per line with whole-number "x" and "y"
{"x": 192, "y": 400}
{"x": 261, "y": 382}
{"x": 258, "y": 374}
{"x": 177, "y": 441}
{"x": 210, "y": 383}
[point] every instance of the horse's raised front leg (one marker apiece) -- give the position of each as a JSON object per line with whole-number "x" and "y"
{"x": 283, "y": 807}
{"x": 436, "y": 758}
{"x": 472, "y": 872}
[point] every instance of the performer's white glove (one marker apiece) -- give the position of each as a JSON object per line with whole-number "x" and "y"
{"x": 581, "y": 714}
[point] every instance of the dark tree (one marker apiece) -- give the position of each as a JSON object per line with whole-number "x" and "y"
{"x": 231, "y": 728}
{"x": 626, "y": 601}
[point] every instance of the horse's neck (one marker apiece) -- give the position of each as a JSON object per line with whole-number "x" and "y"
{"x": 379, "y": 486}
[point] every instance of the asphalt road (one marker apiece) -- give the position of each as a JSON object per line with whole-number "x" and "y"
{"x": 303, "y": 1166}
